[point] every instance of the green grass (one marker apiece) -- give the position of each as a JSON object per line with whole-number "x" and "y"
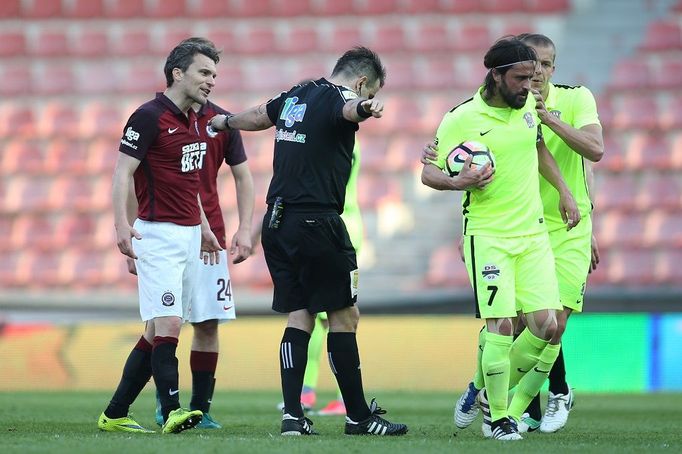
{"x": 66, "y": 422}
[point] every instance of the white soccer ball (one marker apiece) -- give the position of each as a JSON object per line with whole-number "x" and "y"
{"x": 480, "y": 153}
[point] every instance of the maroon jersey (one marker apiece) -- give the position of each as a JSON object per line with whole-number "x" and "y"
{"x": 171, "y": 151}
{"x": 226, "y": 146}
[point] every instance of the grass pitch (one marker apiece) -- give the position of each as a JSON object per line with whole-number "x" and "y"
{"x": 51, "y": 422}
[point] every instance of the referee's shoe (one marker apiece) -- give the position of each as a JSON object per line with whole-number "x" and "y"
{"x": 291, "y": 425}
{"x": 375, "y": 424}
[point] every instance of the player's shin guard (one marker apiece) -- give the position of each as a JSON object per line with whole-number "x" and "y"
{"x": 293, "y": 357}
{"x": 531, "y": 383}
{"x": 136, "y": 373}
{"x": 524, "y": 355}
{"x": 344, "y": 361}
{"x": 495, "y": 364}
{"x": 479, "y": 382}
{"x": 165, "y": 370}
{"x": 203, "y": 365}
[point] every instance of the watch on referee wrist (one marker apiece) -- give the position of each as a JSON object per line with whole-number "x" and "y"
{"x": 227, "y": 121}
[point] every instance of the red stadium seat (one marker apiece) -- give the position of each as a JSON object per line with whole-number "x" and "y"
{"x": 12, "y": 8}
{"x": 606, "y": 111}
{"x": 76, "y": 229}
{"x": 662, "y": 35}
{"x": 670, "y": 116}
{"x": 249, "y": 8}
{"x": 636, "y": 112}
{"x": 430, "y": 36}
{"x": 13, "y": 272}
{"x": 267, "y": 75}
{"x": 6, "y": 227}
{"x": 101, "y": 119}
{"x": 89, "y": 42}
{"x": 633, "y": 74}
{"x": 388, "y": 37}
{"x": 669, "y": 75}
{"x": 85, "y": 9}
{"x": 547, "y": 6}
{"x": 678, "y": 6}
{"x": 256, "y": 40}
{"x": 134, "y": 42}
{"x": 461, "y": 6}
{"x": 124, "y": 8}
{"x": 404, "y": 152}
{"x": 649, "y": 151}
{"x": 50, "y": 43}
{"x": 66, "y": 157}
{"x": 372, "y": 189}
{"x": 435, "y": 73}
{"x": 59, "y": 119}
{"x": 141, "y": 80}
{"x": 22, "y": 156}
{"x": 45, "y": 269}
{"x": 12, "y": 43}
{"x": 35, "y": 232}
{"x": 98, "y": 78}
{"x": 446, "y": 268}
{"x": 343, "y": 37}
{"x": 165, "y": 9}
{"x": 616, "y": 192}
{"x": 36, "y": 9}
{"x": 84, "y": 269}
{"x": 367, "y": 7}
{"x": 16, "y": 120}
{"x": 102, "y": 155}
{"x": 332, "y": 8}
{"x": 421, "y": 6}
{"x": 665, "y": 229}
{"x": 170, "y": 36}
{"x": 299, "y": 39}
{"x": 503, "y": 6}
{"x": 659, "y": 190}
{"x": 24, "y": 194}
{"x": 473, "y": 37}
{"x": 669, "y": 271}
{"x": 676, "y": 151}
{"x": 631, "y": 267}
{"x": 401, "y": 75}
{"x": 373, "y": 151}
{"x": 54, "y": 79}
{"x": 287, "y": 8}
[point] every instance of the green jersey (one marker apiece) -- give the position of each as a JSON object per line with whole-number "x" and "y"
{"x": 351, "y": 208}
{"x": 575, "y": 106}
{"x": 510, "y": 206}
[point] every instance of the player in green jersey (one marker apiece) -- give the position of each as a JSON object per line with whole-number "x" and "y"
{"x": 506, "y": 244}
{"x": 573, "y": 134}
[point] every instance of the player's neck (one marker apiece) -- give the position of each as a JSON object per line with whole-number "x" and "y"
{"x": 179, "y": 99}
{"x": 494, "y": 100}
{"x": 343, "y": 81}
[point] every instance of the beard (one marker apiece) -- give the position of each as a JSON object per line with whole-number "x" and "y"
{"x": 515, "y": 101}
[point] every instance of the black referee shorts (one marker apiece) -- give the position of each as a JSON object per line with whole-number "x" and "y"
{"x": 311, "y": 260}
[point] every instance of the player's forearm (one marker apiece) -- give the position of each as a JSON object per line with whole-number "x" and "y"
{"x": 353, "y": 111}
{"x": 131, "y": 203}
{"x": 253, "y": 119}
{"x": 120, "y": 196}
{"x": 205, "y": 226}
{"x": 434, "y": 178}
{"x": 550, "y": 170}
{"x": 586, "y": 141}
{"x": 245, "y": 199}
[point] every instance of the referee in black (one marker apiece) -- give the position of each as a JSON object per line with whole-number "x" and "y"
{"x": 309, "y": 254}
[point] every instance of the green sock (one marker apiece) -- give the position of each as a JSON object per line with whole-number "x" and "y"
{"x": 479, "y": 383}
{"x": 495, "y": 365}
{"x": 531, "y": 383}
{"x": 524, "y": 354}
{"x": 312, "y": 370}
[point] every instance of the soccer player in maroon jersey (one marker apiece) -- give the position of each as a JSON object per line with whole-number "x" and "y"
{"x": 160, "y": 156}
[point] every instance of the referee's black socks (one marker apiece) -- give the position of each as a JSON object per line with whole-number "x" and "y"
{"x": 293, "y": 358}
{"x": 344, "y": 361}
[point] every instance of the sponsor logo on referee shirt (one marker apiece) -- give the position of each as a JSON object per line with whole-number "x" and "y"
{"x": 292, "y": 112}
{"x": 490, "y": 272}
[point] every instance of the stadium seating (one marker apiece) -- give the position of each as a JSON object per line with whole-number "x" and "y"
{"x": 446, "y": 268}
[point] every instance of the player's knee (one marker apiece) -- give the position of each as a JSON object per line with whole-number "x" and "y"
{"x": 207, "y": 330}
{"x": 550, "y": 330}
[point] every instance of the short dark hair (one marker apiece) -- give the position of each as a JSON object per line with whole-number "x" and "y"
{"x": 361, "y": 61}
{"x": 183, "y": 54}
{"x": 502, "y": 55}
{"x": 537, "y": 39}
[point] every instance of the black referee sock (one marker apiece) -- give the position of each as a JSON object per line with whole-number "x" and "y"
{"x": 557, "y": 375}
{"x": 533, "y": 409}
{"x": 136, "y": 373}
{"x": 344, "y": 361}
{"x": 293, "y": 358}
{"x": 165, "y": 371}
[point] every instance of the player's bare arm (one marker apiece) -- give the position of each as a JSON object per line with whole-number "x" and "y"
{"x": 241, "y": 245}
{"x": 587, "y": 141}
{"x": 549, "y": 169}
{"x": 209, "y": 243}
{"x": 468, "y": 179}
{"x": 122, "y": 182}
{"x": 360, "y": 109}
{"x": 253, "y": 119}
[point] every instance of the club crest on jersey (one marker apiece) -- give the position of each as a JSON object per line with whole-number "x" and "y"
{"x": 168, "y": 299}
{"x": 490, "y": 272}
{"x": 530, "y": 121}
{"x": 556, "y": 113}
{"x": 292, "y": 112}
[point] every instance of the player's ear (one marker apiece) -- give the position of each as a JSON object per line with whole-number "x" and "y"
{"x": 178, "y": 74}
{"x": 359, "y": 83}
{"x": 497, "y": 77}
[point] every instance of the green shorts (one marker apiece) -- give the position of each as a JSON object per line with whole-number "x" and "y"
{"x": 572, "y": 256}
{"x": 511, "y": 274}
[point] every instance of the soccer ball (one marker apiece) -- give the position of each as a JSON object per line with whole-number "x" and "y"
{"x": 455, "y": 160}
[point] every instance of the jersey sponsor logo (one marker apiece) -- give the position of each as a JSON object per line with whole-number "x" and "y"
{"x": 130, "y": 136}
{"x": 289, "y": 136}
{"x": 490, "y": 272}
{"x": 292, "y": 112}
{"x": 171, "y": 131}
{"x": 193, "y": 156}
{"x": 168, "y": 299}
{"x": 530, "y": 121}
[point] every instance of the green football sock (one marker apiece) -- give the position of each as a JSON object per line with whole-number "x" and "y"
{"x": 495, "y": 365}
{"x": 312, "y": 370}
{"x": 523, "y": 355}
{"x": 531, "y": 383}
{"x": 479, "y": 383}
